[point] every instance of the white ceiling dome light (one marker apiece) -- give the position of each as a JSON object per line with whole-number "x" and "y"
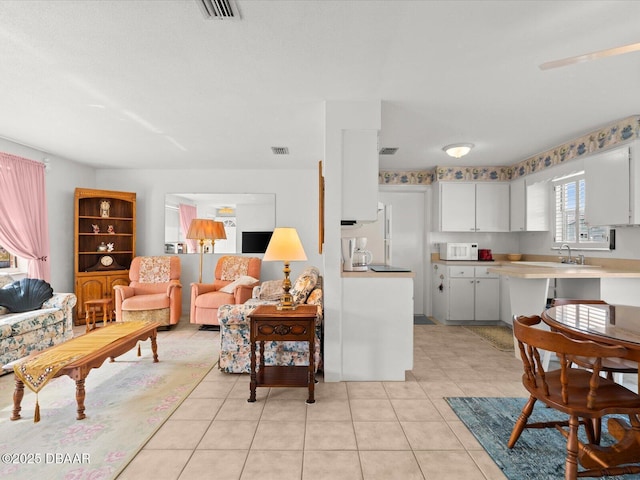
{"x": 458, "y": 150}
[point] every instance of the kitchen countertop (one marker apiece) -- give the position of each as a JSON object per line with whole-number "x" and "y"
{"x": 530, "y": 271}
{"x": 371, "y": 274}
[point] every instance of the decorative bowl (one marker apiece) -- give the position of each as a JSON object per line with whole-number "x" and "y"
{"x": 514, "y": 257}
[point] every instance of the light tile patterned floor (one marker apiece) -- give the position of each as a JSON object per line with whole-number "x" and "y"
{"x": 355, "y": 430}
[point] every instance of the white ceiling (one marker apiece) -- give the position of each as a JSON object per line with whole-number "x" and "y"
{"x": 154, "y": 84}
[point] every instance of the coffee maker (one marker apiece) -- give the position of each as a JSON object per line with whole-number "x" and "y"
{"x": 348, "y": 249}
{"x": 361, "y": 257}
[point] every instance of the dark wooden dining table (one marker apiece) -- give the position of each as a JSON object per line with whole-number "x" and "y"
{"x": 611, "y": 325}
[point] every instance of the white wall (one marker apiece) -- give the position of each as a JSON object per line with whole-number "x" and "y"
{"x": 296, "y": 206}
{"x": 61, "y": 179}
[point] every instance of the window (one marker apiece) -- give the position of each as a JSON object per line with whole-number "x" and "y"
{"x": 570, "y": 226}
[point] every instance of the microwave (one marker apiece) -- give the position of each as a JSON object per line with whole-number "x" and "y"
{"x": 458, "y": 251}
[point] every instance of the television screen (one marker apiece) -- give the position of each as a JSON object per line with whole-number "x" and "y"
{"x": 255, "y": 242}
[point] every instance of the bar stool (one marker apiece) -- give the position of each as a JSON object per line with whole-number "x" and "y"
{"x": 96, "y": 305}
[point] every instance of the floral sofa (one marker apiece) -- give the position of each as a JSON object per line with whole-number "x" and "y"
{"x": 235, "y": 347}
{"x": 26, "y": 332}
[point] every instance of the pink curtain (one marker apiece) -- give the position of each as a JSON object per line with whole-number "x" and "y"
{"x": 24, "y": 227}
{"x": 188, "y": 213}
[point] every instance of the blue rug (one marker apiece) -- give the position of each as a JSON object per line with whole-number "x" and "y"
{"x": 539, "y": 454}
{"x": 422, "y": 320}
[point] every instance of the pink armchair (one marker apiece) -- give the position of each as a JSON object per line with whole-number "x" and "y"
{"x": 207, "y": 297}
{"x": 155, "y": 291}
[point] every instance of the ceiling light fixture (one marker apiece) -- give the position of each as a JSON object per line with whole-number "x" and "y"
{"x": 458, "y": 150}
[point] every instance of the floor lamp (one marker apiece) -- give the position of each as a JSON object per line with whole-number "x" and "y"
{"x": 202, "y": 229}
{"x": 285, "y": 246}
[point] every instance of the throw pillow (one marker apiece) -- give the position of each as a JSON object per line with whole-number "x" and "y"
{"x": 243, "y": 280}
{"x": 315, "y": 298}
{"x": 271, "y": 290}
{"x": 304, "y": 284}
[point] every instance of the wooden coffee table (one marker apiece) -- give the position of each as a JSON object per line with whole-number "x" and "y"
{"x": 80, "y": 368}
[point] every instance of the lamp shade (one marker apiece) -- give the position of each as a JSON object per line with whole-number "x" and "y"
{"x": 285, "y": 246}
{"x": 205, "y": 229}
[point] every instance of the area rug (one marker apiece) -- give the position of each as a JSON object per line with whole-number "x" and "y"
{"x": 422, "y": 320}
{"x": 539, "y": 454}
{"x": 126, "y": 402}
{"x": 500, "y": 337}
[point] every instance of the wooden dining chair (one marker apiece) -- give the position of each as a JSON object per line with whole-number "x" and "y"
{"x": 613, "y": 367}
{"x": 581, "y": 394}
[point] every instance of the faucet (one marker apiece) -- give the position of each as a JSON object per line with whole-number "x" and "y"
{"x": 568, "y": 259}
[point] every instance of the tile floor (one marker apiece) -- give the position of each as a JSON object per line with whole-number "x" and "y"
{"x": 355, "y": 430}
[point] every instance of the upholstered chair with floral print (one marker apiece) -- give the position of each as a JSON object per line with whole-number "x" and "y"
{"x": 234, "y": 279}
{"x": 154, "y": 293}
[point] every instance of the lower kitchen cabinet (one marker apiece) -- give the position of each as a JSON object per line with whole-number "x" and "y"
{"x": 465, "y": 293}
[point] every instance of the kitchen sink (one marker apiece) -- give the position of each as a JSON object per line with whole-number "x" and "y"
{"x": 555, "y": 265}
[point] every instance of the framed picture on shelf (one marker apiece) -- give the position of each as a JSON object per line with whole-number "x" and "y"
{"x": 6, "y": 259}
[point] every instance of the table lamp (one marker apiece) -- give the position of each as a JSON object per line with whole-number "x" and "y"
{"x": 285, "y": 246}
{"x": 202, "y": 229}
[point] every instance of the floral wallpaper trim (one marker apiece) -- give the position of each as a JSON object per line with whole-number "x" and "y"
{"x": 619, "y": 132}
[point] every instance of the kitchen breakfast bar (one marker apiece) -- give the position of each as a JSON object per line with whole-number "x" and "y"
{"x": 377, "y": 329}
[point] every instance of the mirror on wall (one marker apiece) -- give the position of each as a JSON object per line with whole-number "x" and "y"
{"x": 248, "y": 215}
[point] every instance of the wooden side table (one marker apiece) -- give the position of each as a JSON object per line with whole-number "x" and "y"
{"x": 270, "y": 324}
{"x": 98, "y": 304}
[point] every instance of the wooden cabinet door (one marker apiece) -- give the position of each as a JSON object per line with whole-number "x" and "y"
{"x": 114, "y": 280}
{"x": 89, "y": 288}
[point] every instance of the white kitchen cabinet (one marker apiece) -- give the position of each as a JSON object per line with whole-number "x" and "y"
{"x": 466, "y": 293}
{"x": 537, "y": 206}
{"x": 360, "y": 175}
{"x": 517, "y": 204}
{"x": 607, "y": 176}
{"x": 473, "y": 207}
{"x": 492, "y": 207}
{"x": 529, "y": 210}
{"x": 458, "y": 207}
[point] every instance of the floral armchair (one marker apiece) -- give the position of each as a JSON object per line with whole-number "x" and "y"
{"x": 235, "y": 347}
{"x": 155, "y": 291}
{"x": 234, "y": 279}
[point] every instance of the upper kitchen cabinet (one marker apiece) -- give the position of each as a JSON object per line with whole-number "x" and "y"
{"x": 529, "y": 206}
{"x": 472, "y": 207}
{"x": 608, "y": 179}
{"x": 360, "y": 175}
{"x": 492, "y": 207}
{"x": 518, "y": 205}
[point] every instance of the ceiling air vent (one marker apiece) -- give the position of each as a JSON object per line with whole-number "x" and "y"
{"x": 388, "y": 150}
{"x": 280, "y": 150}
{"x": 219, "y": 9}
